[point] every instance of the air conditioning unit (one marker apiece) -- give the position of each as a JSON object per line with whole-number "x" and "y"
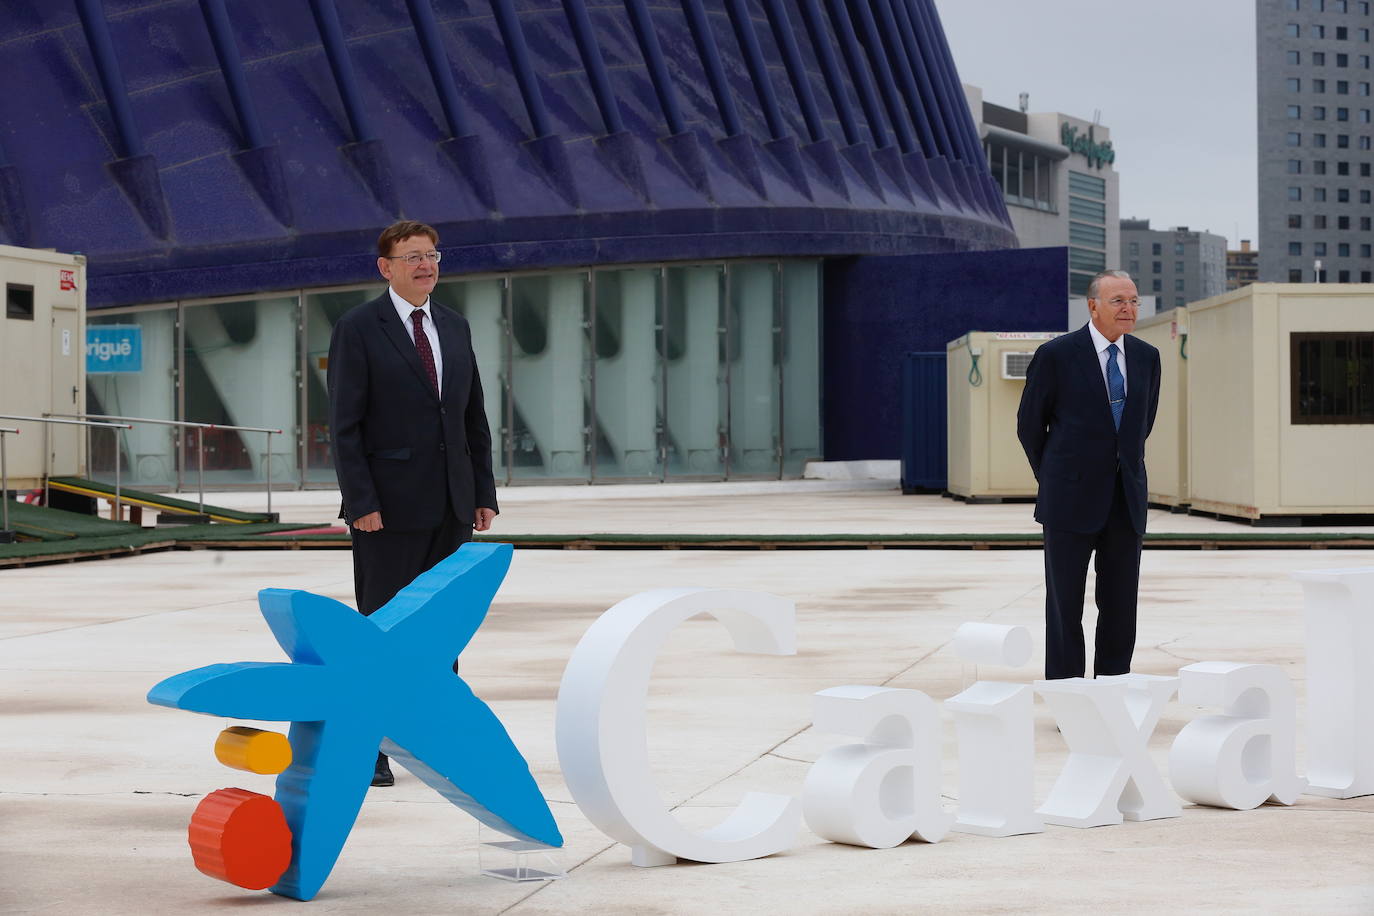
{"x": 1015, "y": 363}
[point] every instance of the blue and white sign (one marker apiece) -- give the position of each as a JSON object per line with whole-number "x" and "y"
{"x": 114, "y": 348}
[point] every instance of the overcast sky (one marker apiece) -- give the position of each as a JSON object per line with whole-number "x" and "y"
{"x": 1173, "y": 79}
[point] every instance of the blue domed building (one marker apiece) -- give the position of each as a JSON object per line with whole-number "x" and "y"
{"x": 692, "y": 237}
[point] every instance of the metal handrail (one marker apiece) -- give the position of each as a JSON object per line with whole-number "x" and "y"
{"x": 5, "y": 480}
{"x": 200, "y": 429}
{"x": 118, "y": 510}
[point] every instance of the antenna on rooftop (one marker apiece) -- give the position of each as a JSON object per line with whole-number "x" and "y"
{"x": 1024, "y": 100}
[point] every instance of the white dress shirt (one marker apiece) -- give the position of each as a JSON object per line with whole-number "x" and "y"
{"x": 1102, "y": 343}
{"x": 404, "y": 310}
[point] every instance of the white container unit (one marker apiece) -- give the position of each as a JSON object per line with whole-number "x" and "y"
{"x": 986, "y": 373}
{"x": 42, "y": 359}
{"x": 1166, "y": 451}
{"x": 1281, "y": 395}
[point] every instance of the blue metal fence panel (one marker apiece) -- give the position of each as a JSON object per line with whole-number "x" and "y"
{"x": 924, "y": 432}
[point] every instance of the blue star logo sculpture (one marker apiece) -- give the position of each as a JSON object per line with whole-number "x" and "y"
{"x": 354, "y": 683}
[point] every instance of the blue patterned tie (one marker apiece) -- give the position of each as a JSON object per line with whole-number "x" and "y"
{"x": 1116, "y": 385}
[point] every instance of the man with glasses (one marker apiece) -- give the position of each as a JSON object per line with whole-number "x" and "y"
{"x": 409, "y": 432}
{"x": 1087, "y": 408}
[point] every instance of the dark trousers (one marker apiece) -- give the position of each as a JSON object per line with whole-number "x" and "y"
{"x": 386, "y": 561}
{"x": 1117, "y": 562}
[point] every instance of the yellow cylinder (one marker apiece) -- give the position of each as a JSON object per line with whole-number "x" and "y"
{"x": 253, "y": 749}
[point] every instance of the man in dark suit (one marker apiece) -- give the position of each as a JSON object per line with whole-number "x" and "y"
{"x": 411, "y": 444}
{"x": 1088, "y": 406}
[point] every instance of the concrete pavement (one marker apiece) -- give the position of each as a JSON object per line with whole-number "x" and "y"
{"x": 96, "y": 786}
{"x": 746, "y": 507}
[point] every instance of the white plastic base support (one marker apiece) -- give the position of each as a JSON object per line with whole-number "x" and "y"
{"x": 500, "y": 856}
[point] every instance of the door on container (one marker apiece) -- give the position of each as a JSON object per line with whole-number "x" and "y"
{"x": 67, "y": 351}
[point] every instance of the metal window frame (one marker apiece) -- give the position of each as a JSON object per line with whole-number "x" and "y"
{"x": 1295, "y": 341}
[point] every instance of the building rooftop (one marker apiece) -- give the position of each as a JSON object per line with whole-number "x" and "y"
{"x": 100, "y": 785}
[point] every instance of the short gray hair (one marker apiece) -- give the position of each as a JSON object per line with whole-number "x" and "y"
{"x": 1092, "y": 286}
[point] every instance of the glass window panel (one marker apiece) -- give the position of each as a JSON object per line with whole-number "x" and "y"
{"x": 801, "y": 365}
{"x": 627, "y": 374}
{"x": 240, "y": 363}
{"x": 1083, "y": 259}
{"x": 148, "y": 452}
{"x": 692, "y": 348}
{"x": 322, "y": 312}
{"x": 1082, "y": 234}
{"x": 549, "y": 410}
{"x": 997, "y": 162}
{"x": 1088, "y": 185}
{"x": 482, "y": 303}
{"x": 1091, "y": 210}
{"x": 1332, "y": 377}
{"x": 1044, "y": 188}
{"x": 754, "y": 375}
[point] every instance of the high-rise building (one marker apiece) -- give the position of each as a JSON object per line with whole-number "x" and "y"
{"x": 1176, "y": 266}
{"x": 1314, "y": 140}
{"x": 1242, "y": 266}
{"x": 1058, "y": 180}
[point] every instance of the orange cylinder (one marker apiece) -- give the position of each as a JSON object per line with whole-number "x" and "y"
{"x": 253, "y": 749}
{"x": 240, "y": 837}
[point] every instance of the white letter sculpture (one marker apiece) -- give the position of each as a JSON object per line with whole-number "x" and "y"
{"x": 995, "y": 723}
{"x": 1340, "y": 681}
{"x": 887, "y": 789}
{"x": 1247, "y": 755}
{"x": 600, "y": 726}
{"x": 1107, "y": 724}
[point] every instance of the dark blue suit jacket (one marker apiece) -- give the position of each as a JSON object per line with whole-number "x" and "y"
{"x": 398, "y": 446}
{"x": 1065, "y": 426}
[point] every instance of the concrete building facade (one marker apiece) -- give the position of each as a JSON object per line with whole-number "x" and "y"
{"x": 1177, "y": 266}
{"x": 1059, "y": 182}
{"x": 1314, "y": 127}
{"x": 1242, "y": 266}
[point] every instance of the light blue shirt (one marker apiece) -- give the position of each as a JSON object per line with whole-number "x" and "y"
{"x": 1102, "y": 343}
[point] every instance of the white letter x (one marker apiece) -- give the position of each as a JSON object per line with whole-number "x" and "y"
{"x": 1107, "y": 724}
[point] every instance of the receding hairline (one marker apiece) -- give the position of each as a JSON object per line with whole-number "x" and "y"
{"x": 1097, "y": 280}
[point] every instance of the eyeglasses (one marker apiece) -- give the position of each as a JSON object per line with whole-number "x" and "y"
{"x": 414, "y": 258}
{"x": 1118, "y": 301}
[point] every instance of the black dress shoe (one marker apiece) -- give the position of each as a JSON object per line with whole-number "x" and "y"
{"x": 381, "y": 774}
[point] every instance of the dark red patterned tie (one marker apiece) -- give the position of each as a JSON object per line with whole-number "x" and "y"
{"x": 417, "y": 318}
